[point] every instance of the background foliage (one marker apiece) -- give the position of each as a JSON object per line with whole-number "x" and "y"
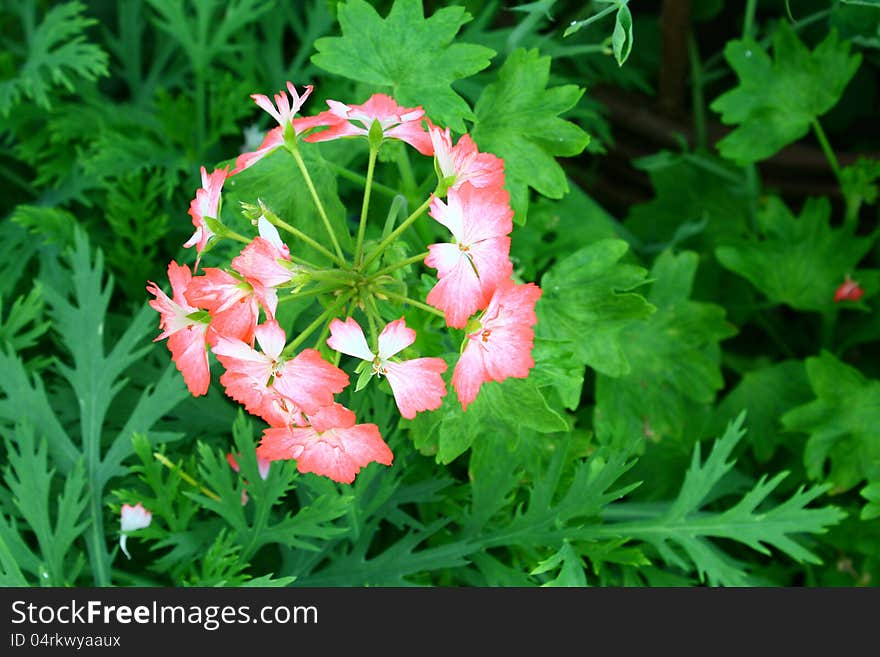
{"x": 702, "y": 410}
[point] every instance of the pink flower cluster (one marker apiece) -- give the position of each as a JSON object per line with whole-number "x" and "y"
{"x": 294, "y": 393}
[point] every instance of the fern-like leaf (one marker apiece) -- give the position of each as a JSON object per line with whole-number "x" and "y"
{"x": 57, "y": 54}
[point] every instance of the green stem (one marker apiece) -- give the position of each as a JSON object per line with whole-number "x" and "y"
{"x": 404, "y": 299}
{"x": 275, "y": 220}
{"x": 365, "y": 206}
{"x": 316, "y": 323}
{"x": 400, "y": 265}
{"x": 317, "y": 199}
{"x": 406, "y": 173}
{"x": 826, "y": 148}
{"x": 749, "y": 19}
{"x": 358, "y": 178}
{"x": 305, "y": 294}
{"x": 397, "y": 231}
{"x": 596, "y": 17}
{"x": 159, "y": 456}
{"x": 372, "y": 315}
{"x": 698, "y": 101}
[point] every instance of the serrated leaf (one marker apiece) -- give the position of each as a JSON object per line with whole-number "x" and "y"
{"x": 517, "y": 118}
{"x": 570, "y": 565}
{"x": 841, "y": 422}
{"x": 777, "y": 99}
{"x": 588, "y": 301}
{"x": 30, "y": 480}
{"x": 798, "y": 261}
{"x": 766, "y": 394}
{"x": 682, "y": 531}
{"x": 78, "y": 296}
{"x": 689, "y": 190}
{"x": 421, "y": 66}
{"x": 674, "y": 359}
{"x": 57, "y": 55}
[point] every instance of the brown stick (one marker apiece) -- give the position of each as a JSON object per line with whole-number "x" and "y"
{"x": 675, "y": 20}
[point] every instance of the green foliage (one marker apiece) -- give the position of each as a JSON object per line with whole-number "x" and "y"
{"x": 674, "y": 297}
{"x": 30, "y": 481}
{"x": 57, "y": 55}
{"x": 697, "y": 200}
{"x": 841, "y": 423}
{"x": 78, "y": 296}
{"x": 777, "y": 100}
{"x": 681, "y": 530}
{"x": 423, "y": 64}
{"x": 517, "y": 118}
{"x": 674, "y": 357}
{"x": 799, "y": 261}
{"x": 589, "y": 294}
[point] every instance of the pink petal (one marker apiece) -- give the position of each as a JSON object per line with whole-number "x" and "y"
{"x": 469, "y": 374}
{"x": 394, "y": 338}
{"x": 271, "y": 338}
{"x": 274, "y": 138}
{"x": 337, "y": 453}
{"x": 417, "y": 384}
{"x": 190, "y": 355}
{"x": 332, "y": 416}
{"x": 348, "y": 338}
{"x": 458, "y": 293}
{"x": 309, "y": 381}
{"x": 258, "y": 262}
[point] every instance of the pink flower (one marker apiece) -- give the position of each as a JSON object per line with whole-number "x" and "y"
{"x": 230, "y": 301}
{"x": 332, "y": 446}
{"x": 274, "y": 138}
{"x": 131, "y": 519}
{"x": 187, "y": 337}
{"x": 271, "y": 387}
{"x": 309, "y": 381}
{"x": 285, "y": 110}
{"x": 478, "y": 259}
{"x": 248, "y": 371}
{"x": 417, "y": 384}
{"x": 464, "y": 163}
{"x": 499, "y": 344}
{"x": 259, "y": 263}
{"x": 206, "y": 204}
{"x": 397, "y": 122}
{"x": 849, "y": 290}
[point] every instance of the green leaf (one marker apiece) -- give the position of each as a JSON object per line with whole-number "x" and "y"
{"x": 314, "y": 521}
{"x": 419, "y": 68}
{"x": 798, "y": 261}
{"x": 587, "y": 302}
{"x": 570, "y": 564}
{"x": 517, "y": 118}
{"x": 57, "y": 55}
{"x": 622, "y": 37}
{"x": 681, "y": 531}
{"x": 841, "y": 422}
{"x": 674, "y": 359}
{"x": 30, "y": 481}
{"x": 78, "y": 296}
{"x": 509, "y": 407}
{"x": 872, "y": 509}
{"x": 777, "y": 100}
{"x": 277, "y": 181}
{"x": 698, "y": 200}
{"x": 766, "y": 393}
